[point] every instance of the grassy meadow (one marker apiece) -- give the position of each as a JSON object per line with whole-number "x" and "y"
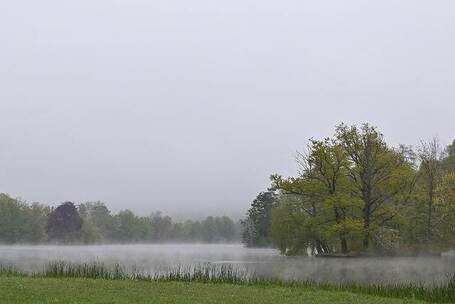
{"x": 39, "y": 290}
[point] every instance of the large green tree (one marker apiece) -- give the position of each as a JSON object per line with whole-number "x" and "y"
{"x": 444, "y": 222}
{"x": 326, "y": 165}
{"x": 320, "y": 198}
{"x": 299, "y": 213}
{"x": 382, "y": 178}
{"x": 430, "y": 174}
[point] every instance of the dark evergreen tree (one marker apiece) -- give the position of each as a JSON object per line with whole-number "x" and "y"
{"x": 257, "y": 225}
{"x": 64, "y": 223}
{"x": 448, "y": 161}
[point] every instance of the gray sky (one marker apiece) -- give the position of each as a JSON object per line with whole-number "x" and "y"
{"x": 189, "y": 106}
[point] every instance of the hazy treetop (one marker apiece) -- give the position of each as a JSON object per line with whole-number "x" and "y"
{"x": 188, "y": 106}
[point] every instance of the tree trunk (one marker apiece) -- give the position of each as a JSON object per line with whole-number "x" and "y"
{"x": 366, "y": 214}
{"x": 319, "y": 247}
{"x": 366, "y": 228}
{"x": 344, "y": 245}
{"x": 343, "y": 242}
{"x": 430, "y": 214}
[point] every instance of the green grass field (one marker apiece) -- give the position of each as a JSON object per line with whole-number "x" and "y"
{"x": 29, "y": 290}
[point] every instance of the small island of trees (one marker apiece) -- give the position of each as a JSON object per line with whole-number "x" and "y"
{"x": 357, "y": 195}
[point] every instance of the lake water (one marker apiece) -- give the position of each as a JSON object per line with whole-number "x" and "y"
{"x": 262, "y": 262}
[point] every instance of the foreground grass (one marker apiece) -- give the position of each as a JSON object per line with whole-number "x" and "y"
{"x": 213, "y": 283}
{"x": 44, "y": 290}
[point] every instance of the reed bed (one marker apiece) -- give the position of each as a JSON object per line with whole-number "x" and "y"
{"x": 10, "y": 270}
{"x": 228, "y": 274}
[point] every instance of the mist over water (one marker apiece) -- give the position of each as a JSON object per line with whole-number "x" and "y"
{"x": 262, "y": 262}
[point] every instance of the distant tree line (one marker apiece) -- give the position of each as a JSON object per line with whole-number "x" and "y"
{"x": 356, "y": 194}
{"x": 93, "y": 222}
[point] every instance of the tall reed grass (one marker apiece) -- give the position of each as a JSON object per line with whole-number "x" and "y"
{"x": 227, "y": 274}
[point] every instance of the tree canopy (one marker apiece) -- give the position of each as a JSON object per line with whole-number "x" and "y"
{"x": 64, "y": 223}
{"x": 355, "y": 194}
{"x": 93, "y": 222}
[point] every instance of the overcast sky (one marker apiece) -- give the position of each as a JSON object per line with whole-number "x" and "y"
{"x": 188, "y": 106}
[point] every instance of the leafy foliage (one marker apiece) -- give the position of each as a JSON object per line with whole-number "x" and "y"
{"x": 93, "y": 222}
{"x": 21, "y": 222}
{"x": 64, "y": 223}
{"x": 355, "y": 194}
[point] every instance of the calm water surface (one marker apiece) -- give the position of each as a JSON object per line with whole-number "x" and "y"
{"x": 262, "y": 262}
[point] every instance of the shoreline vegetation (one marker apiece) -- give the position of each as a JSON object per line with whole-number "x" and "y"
{"x": 229, "y": 275}
{"x": 354, "y": 255}
{"x": 94, "y": 223}
{"x": 355, "y": 194}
